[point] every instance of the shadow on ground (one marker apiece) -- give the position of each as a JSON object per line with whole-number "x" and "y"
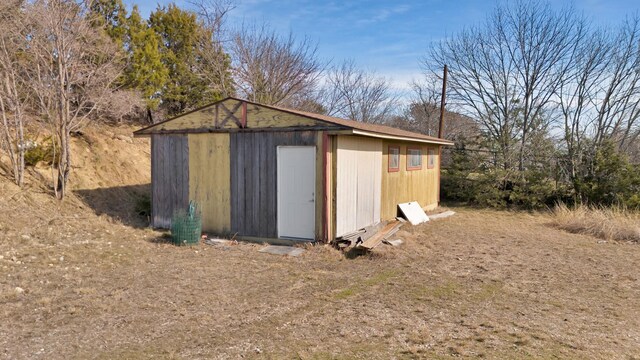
{"x": 162, "y": 239}
{"x": 128, "y": 204}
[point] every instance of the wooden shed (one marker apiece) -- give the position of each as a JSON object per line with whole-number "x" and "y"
{"x": 269, "y": 173}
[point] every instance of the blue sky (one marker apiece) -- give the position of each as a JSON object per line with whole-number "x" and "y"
{"x": 386, "y": 36}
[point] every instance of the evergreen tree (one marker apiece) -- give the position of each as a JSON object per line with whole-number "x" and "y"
{"x": 172, "y": 59}
{"x": 145, "y": 69}
{"x": 613, "y": 179}
{"x": 112, "y": 16}
{"x": 183, "y": 38}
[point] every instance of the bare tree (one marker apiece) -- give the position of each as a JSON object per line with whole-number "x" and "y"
{"x": 273, "y": 69}
{"x": 480, "y": 80}
{"x": 506, "y": 73}
{"x": 72, "y": 74}
{"x": 359, "y": 95}
{"x": 577, "y": 96}
{"x": 214, "y": 64}
{"x": 545, "y": 49}
{"x": 423, "y": 111}
{"x": 12, "y": 44}
{"x": 213, "y": 14}
{"x": 619, "y": 108}
{"x": 599, "y": 100}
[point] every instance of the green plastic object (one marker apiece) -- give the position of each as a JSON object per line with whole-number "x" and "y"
{"x": 186, "y": 226}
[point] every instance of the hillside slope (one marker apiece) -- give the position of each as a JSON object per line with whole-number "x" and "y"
{"x": 110, "y": 174}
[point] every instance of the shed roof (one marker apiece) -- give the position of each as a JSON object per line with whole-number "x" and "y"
{"x": 365, "y": 127}
{"x": 356, "y": 127}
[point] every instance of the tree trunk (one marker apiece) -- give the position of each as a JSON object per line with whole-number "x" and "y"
{"x": 64, "y": 164}
{"x": 20, "y": 131}
{"x": 17, "y": 159}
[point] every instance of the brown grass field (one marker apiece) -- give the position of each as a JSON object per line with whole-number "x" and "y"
{"x": 614, "y": 223}
{"x": 479, "y": 284}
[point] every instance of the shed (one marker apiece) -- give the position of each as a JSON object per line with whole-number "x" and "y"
{"x": 267, "y": 173}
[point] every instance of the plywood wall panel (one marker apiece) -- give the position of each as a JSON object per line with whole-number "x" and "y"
{"x": 209, "y": 180}
{"x": 263, "y": 117}
{"x": 408, "y": 185}
{"x": 228, "y": 115}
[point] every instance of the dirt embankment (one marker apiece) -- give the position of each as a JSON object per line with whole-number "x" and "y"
{"x": 110, "y": 174}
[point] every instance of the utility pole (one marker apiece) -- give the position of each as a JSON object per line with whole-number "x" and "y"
{"x": 443, "y": 102}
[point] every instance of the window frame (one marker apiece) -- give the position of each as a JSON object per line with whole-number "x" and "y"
{"x": 389, "y": 168}
{"x": 431, "y": 161}
{"x": 408, "y": 155}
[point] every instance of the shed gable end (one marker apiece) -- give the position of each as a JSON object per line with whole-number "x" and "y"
{"x": 232, "y": 114}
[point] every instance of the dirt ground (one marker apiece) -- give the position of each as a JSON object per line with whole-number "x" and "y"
{"x": 83, "y": 279}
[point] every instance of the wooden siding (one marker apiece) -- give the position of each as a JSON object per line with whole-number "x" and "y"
{"x": 230, "y": 114}
{"x": 170, "y": 177}
{"x": 254, "y": 179}
{"x": 209, "y": 180}
{"x": 334, "y": 186}
{"x": 358, "y": 183}
{"x": 409, "y": 185}
{"x": 262, "y": 117}
{"x": 328, "y": 190}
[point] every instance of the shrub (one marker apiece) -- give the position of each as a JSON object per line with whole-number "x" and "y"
{"x": 613, "y": 180}
{"x": 605, "y": 178}
{"x": 143, "y": 205}
{"x": 500, "y": 189}
{"x": 41, "y": 152}
{"x": 459, "y": 179}
{"x": 490, "y": 189}
{"x": 537, "y": 190}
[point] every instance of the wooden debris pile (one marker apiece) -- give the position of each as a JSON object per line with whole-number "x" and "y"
{"x": 383, "y": 235}
{"x": 371, "y": 236}
{"x": 357, "y": 237}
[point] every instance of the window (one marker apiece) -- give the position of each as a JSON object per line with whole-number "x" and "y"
{"x": 414, "y": 158}
{"x": 431, "y": 161}
{"x": 394, "y": 158}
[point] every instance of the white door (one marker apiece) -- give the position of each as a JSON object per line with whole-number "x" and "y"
{"x": 359, "y": 183}
{"x": 296, "y": 191}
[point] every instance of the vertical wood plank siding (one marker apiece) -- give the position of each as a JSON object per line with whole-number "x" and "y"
{"x": 170, "y": 177}
{"x": 329, "y": 195}
{"x": 358, "y": 184}
{"x": 254, "y": 179}
{"x": 209, "y": 180}
{"x": 319, "y": 191}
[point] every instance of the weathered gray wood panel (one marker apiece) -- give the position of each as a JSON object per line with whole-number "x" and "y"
{"x": 254, "y": 179}
{"x": 169, "y": 177}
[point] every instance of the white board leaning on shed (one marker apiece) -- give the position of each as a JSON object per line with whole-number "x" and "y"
{"x": 413, "y": 212}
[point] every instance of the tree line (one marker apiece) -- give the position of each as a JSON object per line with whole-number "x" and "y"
{"x": 542, "y": 104}
{"x": 557, "y": 100}
{"x": 65, "y": 63}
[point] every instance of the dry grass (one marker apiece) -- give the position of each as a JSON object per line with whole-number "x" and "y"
{"x": 609, "y": 223}
{"x": 479, "y": 284}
